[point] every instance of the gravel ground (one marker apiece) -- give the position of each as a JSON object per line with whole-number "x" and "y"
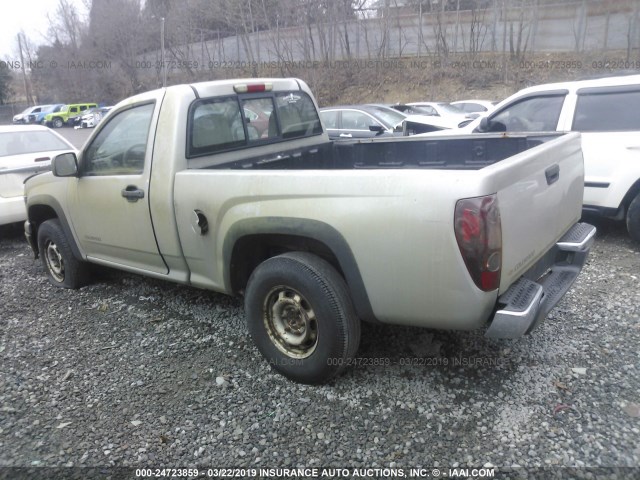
{"x": 136, "y": 372}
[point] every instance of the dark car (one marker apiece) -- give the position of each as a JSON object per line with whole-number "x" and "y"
{"x": 361, "y": 121}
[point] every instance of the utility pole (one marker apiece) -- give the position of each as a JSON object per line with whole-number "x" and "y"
{"x": 27, "y": 89}
{"x": 164, "y": 60}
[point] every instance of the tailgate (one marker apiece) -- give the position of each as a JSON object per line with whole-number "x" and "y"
{"x": 540, "y": 198}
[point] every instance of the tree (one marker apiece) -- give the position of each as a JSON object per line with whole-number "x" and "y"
{"x": 6, "y": 77}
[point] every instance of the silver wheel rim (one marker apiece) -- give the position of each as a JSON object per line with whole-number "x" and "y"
{"x": 55, "y": 263}
{"x": 290, "y": 322}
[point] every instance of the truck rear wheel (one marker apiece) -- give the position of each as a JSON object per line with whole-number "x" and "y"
{"x": 301, "y": 318}
{"x": 633, "y": 218}
{"x": 63, "y": 269}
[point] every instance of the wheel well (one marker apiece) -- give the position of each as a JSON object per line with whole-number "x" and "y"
{"x": 251, "y": 250}
{"x": 631, "y": 194}
{"x": 39, "y": 214}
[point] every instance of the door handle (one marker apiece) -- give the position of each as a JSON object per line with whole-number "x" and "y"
{"x": 132, "y": 193}
{"x": 346, "y": 135}
{"x": 552, "y": 173}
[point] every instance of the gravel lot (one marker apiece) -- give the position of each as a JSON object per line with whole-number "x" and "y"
{"x": 135, "y": 372}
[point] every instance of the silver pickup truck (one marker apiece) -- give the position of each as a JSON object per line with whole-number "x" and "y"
{"x": 234, "y": 186}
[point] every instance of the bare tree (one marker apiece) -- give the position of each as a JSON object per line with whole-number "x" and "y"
{"x": 65, "y": 26}
{"x": 519, "y": 38}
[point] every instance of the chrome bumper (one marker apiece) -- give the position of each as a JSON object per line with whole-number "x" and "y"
{"x": 528, "y": 301}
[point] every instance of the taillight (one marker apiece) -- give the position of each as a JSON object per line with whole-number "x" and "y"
{"x": 479, "y": 235}
{"x": 253, "y": 88}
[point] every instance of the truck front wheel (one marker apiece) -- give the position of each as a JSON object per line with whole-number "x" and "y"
{"x": 57, "y": 122}
{"x": 633, "y": 218}
{"x": 301, "y": 318}
{"x": 63, "y": 269}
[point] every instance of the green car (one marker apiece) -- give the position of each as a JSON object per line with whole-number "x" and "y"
{"x": 67, "y": 114}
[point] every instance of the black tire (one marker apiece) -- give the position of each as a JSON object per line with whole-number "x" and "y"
{"x": 57, "y": 122}
{"x": 62, "y": 268}
{"x": 301, "y": 318}
{"x": 633, "y": 218}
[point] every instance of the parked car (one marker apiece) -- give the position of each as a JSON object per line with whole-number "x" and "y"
{"x": 477, "y": 107}
{"x": 421, "y": 119}
{"x": 361, "y": 121}
{"x": 24, "y": 150}
{"x": 23, "y": 117}
{"x": 454, "y": 233}
{"x": 443, "y": 110}
{"x": 92, "y": 117}
{"x": 67, "y": 114}
{"x": 605, "y": 110}
{"x": 38, "y": 118}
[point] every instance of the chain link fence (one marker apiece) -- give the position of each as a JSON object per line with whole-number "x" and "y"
{"x": 8, "y": 111}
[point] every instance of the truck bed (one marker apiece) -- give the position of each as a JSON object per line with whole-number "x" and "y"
{"x": 457, "y": 153}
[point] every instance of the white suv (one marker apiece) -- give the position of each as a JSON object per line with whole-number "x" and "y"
{"x": 607, "y": 112}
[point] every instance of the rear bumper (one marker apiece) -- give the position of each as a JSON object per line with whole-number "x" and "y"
{"x": 529, "y": 300}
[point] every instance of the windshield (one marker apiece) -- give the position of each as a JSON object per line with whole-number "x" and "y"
{"x": 388, "y": 115}
{"x": 450, "y": 109}
{"x": 20, "y": 143}
{"x": 415, "y": 110}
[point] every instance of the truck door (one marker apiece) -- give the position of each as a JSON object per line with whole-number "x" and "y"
{"x": 110, "y": 200}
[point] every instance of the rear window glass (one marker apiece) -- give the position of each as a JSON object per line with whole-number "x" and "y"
{"x": 608, "y": 112}
{"x": 228, "y": 123}
{"x": 297, "y": 114}
{"x": 216, "y": 124}
{"x": 21, "y": 142}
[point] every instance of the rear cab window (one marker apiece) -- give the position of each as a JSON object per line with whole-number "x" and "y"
{"x": 221, "y": 124}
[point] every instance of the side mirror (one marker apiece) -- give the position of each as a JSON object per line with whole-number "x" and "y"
{"x": 484, "y": 126}
{"x": 65, "y": 165}
{"x": 376, "y": 128}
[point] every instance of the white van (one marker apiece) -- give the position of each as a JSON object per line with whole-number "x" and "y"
{"x": 607, "y": 112}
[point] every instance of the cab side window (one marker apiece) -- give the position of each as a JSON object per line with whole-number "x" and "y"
{"x": 120, "y": 147}
{"x": 534, "y": 114}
